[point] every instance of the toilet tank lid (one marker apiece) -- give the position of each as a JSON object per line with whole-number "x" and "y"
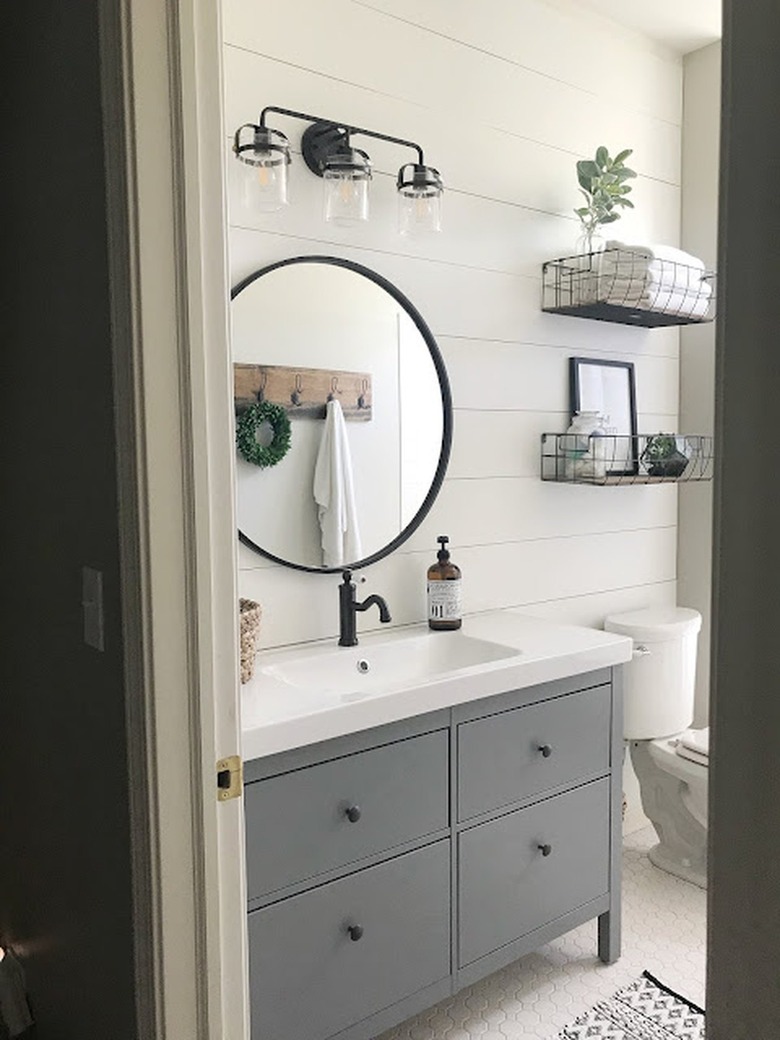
{"x": 655, "y": 623}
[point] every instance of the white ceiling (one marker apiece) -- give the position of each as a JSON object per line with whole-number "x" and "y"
{"x": 683, "y": 25}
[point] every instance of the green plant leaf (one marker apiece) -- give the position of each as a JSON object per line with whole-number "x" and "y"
{"x": 602, "y": 183}
{"x": 660, "y": 446}
{"x": 588, "y": 168}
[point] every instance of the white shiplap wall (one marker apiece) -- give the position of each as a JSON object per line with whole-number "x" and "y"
{"x": 701, "y": 128}
{"x": 504, "y": 96}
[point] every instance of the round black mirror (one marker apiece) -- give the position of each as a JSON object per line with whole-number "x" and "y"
{"x": 315, "y": 329}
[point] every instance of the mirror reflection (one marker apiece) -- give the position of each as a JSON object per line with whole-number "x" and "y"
{"x": 362, "y": 384}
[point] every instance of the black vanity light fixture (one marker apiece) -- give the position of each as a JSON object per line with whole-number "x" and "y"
{"x": 346, "y": 172}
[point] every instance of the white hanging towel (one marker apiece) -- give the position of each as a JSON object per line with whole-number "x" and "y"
{"x": 334, "y": 492}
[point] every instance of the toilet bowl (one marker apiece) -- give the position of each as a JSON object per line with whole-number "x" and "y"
{"x": 674, "y": 798}
{"x": 670, "y": 759}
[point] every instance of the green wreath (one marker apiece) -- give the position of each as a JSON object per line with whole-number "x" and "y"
{"x": 246, "y": 434}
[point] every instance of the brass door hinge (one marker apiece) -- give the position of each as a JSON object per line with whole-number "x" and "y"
{"x": 230, "y": 778}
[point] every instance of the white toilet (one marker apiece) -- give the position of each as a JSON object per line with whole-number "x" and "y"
{"x": 669, "y": 758}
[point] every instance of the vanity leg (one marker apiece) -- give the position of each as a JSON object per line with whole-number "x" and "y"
{"x": 609, "y": 936}
{"x": 609, "y": 922}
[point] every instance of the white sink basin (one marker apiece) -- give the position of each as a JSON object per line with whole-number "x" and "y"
{"x": 304, "y": 694}
{"x": 355, "y": 672}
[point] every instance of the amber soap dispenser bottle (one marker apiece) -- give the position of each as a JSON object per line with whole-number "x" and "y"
{"x": 444, "y": 591}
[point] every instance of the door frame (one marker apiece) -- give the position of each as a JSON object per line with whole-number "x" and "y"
{"x": 173, "y": 404}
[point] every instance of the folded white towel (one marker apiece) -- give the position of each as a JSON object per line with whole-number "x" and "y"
{"x": 663, "y": 265}
{"x": 656, "y": 252}
{"x": 632, "y": 290}
{"x": 681, "y": 302}
{"x": 334, "y": 492}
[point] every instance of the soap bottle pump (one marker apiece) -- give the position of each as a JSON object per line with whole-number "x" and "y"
{"x": 444, "y": 591}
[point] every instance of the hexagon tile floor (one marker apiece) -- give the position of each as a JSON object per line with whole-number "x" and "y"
{"x": 664, "y": 932}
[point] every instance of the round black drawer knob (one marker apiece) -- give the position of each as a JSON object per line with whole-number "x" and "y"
{"x": 545, "y": 750}
{"x": 545, "y": 849}
{"x": 355, "y": 932}
{"x": 353, "y": 813}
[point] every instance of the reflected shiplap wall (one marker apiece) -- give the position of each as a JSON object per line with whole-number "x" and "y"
{"x": 504, "y": 97}
{"x": 276, "y": 506}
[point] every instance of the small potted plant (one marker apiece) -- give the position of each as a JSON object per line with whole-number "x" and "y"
{"x": 662, "y": 457}
{"x": 602, "y": 181}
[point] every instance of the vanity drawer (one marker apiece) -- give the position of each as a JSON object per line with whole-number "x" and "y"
{"x": 298, "y": 824}
{"x": 508, "y": 887}
{"x": 309, "y": 979}
{"x": 502, "y": 757}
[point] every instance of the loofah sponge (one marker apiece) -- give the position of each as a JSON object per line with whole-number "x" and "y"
{"x": 250, "y": 614}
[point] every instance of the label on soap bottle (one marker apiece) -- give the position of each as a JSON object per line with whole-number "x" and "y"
{"x": 444, "y": 600}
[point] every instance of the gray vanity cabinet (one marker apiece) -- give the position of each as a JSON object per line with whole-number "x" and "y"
{"x": 335, "y": 955}
{"x": 389, "y": 868}
{"x": 308, "y": 822}
{"x": 530, "y": 751}
{"x": 530, "y": 867}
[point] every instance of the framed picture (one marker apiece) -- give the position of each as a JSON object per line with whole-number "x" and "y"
{"x": 609, "y": 387}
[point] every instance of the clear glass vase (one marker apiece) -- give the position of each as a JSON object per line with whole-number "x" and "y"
{"x": 588, "y": 247}
{"x": 589, "y": 242}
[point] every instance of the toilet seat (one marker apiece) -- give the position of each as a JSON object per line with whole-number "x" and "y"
{"x": 666, "y": 755}
{"x": 695, "y": 745}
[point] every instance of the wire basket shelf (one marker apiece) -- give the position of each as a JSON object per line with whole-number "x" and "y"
{"x": 622, "y": 285}
{"x": 610, "y": 459}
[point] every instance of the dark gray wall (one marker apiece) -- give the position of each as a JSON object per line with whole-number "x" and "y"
{"x": 65, "y": 894}
{"x": 743, "y": 1001}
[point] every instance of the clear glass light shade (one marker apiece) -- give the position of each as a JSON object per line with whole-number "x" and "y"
{"x": 419, "y": 210}
{"x": 346, "y": 189}
{"x": 264, "y": 171}
{"x": 420, "y": 190}
{"x": 264, "y": 188}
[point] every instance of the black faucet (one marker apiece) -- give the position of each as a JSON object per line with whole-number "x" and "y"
{"x": 349, "y": 606}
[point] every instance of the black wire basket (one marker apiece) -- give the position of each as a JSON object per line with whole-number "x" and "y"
{"x": 629, "y": 287}
{"x": 610, "y": 459}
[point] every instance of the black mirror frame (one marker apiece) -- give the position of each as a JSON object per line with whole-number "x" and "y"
{"x": 446, "y": 400}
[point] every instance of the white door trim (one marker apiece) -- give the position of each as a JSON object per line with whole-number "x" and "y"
{"x": 173, "y": 391}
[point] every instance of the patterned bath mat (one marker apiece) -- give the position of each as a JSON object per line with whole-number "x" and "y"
{"x": 644, "y": 1010}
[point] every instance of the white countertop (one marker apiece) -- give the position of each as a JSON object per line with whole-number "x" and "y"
{"x": 277, "y": 716}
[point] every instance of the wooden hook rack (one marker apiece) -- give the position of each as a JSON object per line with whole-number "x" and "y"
{"x": 303, "y": 392}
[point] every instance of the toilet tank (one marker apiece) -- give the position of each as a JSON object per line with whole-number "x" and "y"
{"x": 659, "y": 680}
